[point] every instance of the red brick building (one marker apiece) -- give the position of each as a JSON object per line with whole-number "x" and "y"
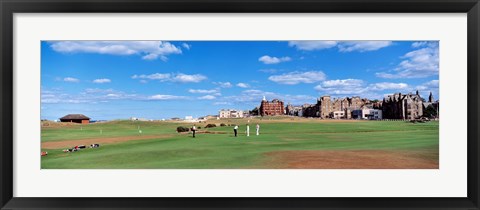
{"x": 75, "y": 118}
{"x": 274, "y": 107}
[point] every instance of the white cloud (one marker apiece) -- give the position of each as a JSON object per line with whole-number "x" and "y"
{"x": 356, "y": 87}
{"x": 222, "y": 103}
{"x": 156, "y": 76}
{"x": 166, "y": 97}
{"x": 433, "y": 83}
{"x": 113, "y": 95}
{"x": 419, "y": 63}
{"x": 342, "y": 87}
{"x": 201, "y": 91}
{"x": 180, "y": 77}
{"x": 184, "y": 78}
{"x": 243, "y": 85}
{"x": 342, "y": 83}
{"x": 149, "y": 50}
{"x": 71, "y": 79}
{"x": 343, "y": 46}
{"x": 103, "y": 80}
{"x": 207, "y": 97}
{"x": 388, "y": 86}
{"x": 427, "y": 87}
{"x": 224, "y": 84}
{"x": 430, "y": 85}
{"x": 97, "y": 95}
{"x": 312, "y": 45}
{"x": 273, "y": 60}
{"x": 254, "y": 97}
{"x": 418, "y": 44}
{"x": 269, "y": 71}
{"x": 186, "y": 46}
{"x": 66, "y": 101}
{"x": 150, "y": 57}
{"x": 88, "y": 96}
{"x": 424, "y": 44}
{"x": 98, "y": 90}
{"x": 362, "y": 46}
{"x": 297, "y": 77}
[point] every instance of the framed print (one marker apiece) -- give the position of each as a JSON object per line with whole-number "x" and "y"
{"x": 239, "y": 105}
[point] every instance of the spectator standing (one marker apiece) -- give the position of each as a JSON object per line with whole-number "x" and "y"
{"x": 193, "y": 130}
{"x": 235, "y": 129}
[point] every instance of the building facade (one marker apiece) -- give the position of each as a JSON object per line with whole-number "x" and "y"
{"x": 402, "y": 106}
{"x": 396, "y": 106}
{"x": 367, "y": 113}
{"x": 338, "y": 115}
{"x": 328, "y": 108}
{"x": 431, "y": 108}
{"x": 294, "y": 110}
{"x": 270, "y": 108}
{"x": 231, "y": 113}
{"x": 324, "y": 107}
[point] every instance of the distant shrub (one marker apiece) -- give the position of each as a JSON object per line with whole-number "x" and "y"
{"x": 210, "y": 126}
{"x": 199, "y": 127}
{"x": 223, "y": 124}
{"x": 182, "y": 129}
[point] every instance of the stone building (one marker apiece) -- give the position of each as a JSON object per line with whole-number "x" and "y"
{"x": 274, "y": 107}
{"x": 310, "y": 110}
{"x": 402, "y": 106}
{"x": 356, "y": 102}
{"x": 431, "y": 104}
{"x": 294, "y": 110}
{"x": 326, "y": 108}
{"x": 321, "y": 109}
{"x": 396, "y": 106}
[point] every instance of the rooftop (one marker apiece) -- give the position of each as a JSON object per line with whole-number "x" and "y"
{"x": 75, "y": 117}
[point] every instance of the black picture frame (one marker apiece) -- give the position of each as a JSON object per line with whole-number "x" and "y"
{"x": 10, "y": 7}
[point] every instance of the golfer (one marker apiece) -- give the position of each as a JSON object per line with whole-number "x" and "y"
{"x": 258, "y": 129}
{"x": 193, "y": 130}
{"x": 235, "y": 130}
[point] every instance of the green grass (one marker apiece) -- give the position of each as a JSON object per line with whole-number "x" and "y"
{"x": 218, "y": 151}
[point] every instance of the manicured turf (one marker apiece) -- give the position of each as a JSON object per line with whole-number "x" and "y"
{"x": 222, "y": 150}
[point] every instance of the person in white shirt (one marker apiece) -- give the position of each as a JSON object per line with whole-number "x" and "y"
{"x": 235, "y": 129}
{"x": 193, "y": 130}
{"x": 258, "y": 129}
{"x": 248, "y": 130}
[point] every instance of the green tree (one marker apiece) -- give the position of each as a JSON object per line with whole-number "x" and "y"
{"x": 430, "y": 112}
{"x": 254, "y": 111}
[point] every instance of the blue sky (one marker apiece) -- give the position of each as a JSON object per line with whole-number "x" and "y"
{"x": 162, "y": 79}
